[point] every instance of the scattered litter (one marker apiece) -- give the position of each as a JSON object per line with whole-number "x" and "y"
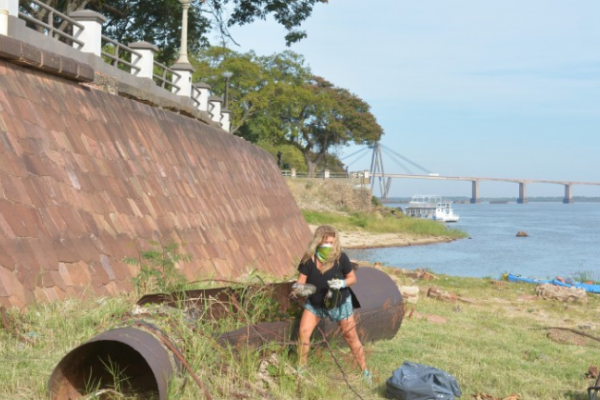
{"x": 548, "y": 291}
{"x": 441, "y": 294}
{"x": 410, "y": 294}
{"x": 420, "y": 274}
{"x": 270, "y": 368}
{"x": 592, "y": 372}
{"x": 421, "y": 382}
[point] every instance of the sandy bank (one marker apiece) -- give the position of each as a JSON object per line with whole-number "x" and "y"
{"x": 366, "y": 240}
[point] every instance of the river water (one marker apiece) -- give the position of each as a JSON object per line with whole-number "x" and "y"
{"x": 564, "y": 240}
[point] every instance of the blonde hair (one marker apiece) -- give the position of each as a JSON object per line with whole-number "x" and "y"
{"x": 321, "y": 233}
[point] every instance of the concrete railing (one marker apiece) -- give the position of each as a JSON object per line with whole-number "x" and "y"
{"x": 326, "y": 174}
{"x": 54, "y": 17}
{"x": 116, "y": 59}
{"x": 135, "y": 59}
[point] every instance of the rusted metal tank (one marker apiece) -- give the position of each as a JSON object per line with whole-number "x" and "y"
{"x": 149, "y": 365}
{"x": 95, "y": 365}
{"x": 379, "y": 316}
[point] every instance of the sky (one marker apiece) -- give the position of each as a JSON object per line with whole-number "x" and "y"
{"x": 503, "y": 89}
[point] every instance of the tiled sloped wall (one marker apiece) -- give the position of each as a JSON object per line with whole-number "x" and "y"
{"x": 87, "y": 178}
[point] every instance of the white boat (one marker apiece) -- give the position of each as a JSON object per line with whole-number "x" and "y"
{"x": 431, "y": 207}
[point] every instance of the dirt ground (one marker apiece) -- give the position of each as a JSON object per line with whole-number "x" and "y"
{"x": 330, "y": 196}
{"x": 365, "y": 240}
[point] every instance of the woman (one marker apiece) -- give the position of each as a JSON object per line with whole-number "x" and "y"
{"x": 325, "y": 266}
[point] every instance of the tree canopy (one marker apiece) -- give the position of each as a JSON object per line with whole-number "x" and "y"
{"x": 317, "y": 115}
{"x": 159, "y": 21}
{"x": 276, "y": 99}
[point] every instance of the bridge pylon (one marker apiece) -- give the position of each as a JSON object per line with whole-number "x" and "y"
{"x": 377, "y": 168}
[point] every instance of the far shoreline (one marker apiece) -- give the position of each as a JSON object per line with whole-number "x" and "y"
{"x": 368, "y": 240}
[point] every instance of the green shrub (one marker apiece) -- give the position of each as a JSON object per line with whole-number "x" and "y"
{"x": 158, "y": 270}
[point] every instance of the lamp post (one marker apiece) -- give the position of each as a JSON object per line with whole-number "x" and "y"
{"x": 183, "y": 58}
{"x": 227, "y": 75}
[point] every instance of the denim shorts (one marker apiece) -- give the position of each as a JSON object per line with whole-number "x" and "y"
{"x": 337, "y": 314}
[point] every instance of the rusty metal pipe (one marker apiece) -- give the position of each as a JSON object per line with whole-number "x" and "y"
{"x": 129, "y": 352}
{"x": 149, "y": 366}
{"x": 379, "y": 317}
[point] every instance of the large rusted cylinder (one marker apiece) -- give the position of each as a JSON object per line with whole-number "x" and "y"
{"x": 130, "y": 359}
{"x": 137, "y": 352}
{"x": 379, "y": 316}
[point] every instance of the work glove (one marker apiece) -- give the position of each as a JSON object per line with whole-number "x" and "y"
{"x": 303, "y": 289}
{"x": 337, "y": 284}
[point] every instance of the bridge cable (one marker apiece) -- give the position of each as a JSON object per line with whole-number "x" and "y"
{"x": 405, "y": 159}
{"x": 356, "y": 152}
{"x": 352, "y": 162}
{"x": 404, "y": 167}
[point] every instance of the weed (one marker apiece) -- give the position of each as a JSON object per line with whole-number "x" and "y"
{"x": 585, "y": 276}
{"x": 158, "y": 270}
{"x": 91, "y": 385}
{"x": 120, "y": 381}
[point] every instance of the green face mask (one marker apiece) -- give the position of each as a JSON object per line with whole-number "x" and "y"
{"x": 324, "y": 251}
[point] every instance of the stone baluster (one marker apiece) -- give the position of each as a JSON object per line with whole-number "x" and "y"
{"x": 7, "y": 8}
{"x": 146, "y": 61}
{"x": 201, "y": 95}
{"x": 185, "y": 81}
{"x": 226, "y": 120}
{"x": 91, "y": 34}
{"x": 214, "y": 108}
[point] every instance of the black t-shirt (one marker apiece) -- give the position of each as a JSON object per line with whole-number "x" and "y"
{"x": 339, "y": 270}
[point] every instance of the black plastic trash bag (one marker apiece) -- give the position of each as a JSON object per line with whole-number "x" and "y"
{"x": 414, "y": 381}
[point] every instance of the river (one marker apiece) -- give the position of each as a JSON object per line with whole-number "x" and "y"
{"x": 564, "y": 240}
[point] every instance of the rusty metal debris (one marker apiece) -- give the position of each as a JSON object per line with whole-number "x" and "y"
{"x": 132, "y": 350}
{"x": 150, "y": 359}
{"x": 593, "y": 390}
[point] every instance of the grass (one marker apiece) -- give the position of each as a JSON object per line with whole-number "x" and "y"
{"x": 497, "y": 345}
{"x": 382, "y": 223}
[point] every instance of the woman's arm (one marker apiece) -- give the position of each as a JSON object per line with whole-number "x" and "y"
{"x": 302, "y": 278}
{"x": 350, "y": 278}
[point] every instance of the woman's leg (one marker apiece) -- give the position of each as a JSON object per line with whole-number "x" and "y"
{"x": 348, "y": 327}
{"x": 308, "y": 323}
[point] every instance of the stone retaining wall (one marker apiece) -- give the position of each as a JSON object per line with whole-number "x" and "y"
{"x": 87, "y": 178}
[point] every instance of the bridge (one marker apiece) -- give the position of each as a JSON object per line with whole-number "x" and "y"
{"x": 568, "y": 198}
{"x": 385, "y": 179}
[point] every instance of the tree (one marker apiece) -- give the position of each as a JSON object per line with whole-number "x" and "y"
{"x": 248, "y": 88}
{"x": 255, "y": 85}
{"x": 315, "y": 115}
{"x": 159, "y": 21}
{"x": 276, "y": 100}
